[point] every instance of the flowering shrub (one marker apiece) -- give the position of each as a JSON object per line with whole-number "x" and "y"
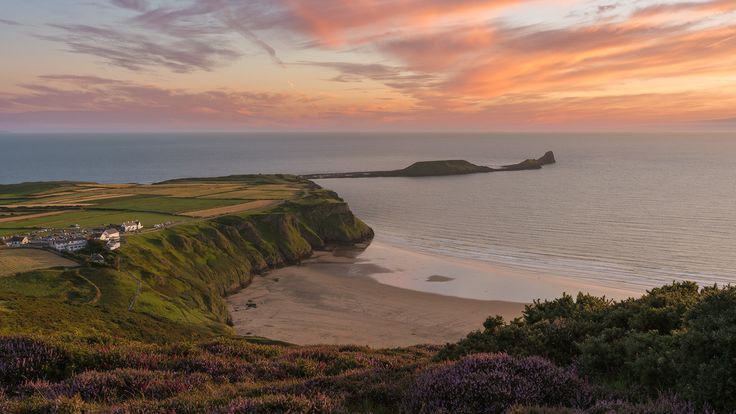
{"x": 5, "y": 405}
{"x": 491, "y": 383}
{"x": 24, "y": 359}
{"x": 317, "y": 404}
{"x": 219, "y": 368}
{"x": 119, "y": 384}
{"x": 239, "y": 349}
{"x": 232, "y": 375}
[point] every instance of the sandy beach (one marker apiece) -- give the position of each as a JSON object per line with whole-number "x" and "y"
{"x": 388, "y": 296}
{"x": 330, "y": 299}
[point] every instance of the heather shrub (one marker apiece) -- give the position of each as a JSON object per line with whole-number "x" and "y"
{"x": 542, "y": 410}
{"x": 61, "y": 405}
{"x": 23, "y": 359}
{"x": 492, "y": 383}
{"x": 118, "y": 385}
{"x": 219, "y": 368}
{"x": 240, "y": 349}
{"x": 202, "y": 401}
{"x": 271, "y": 404}
{"x": 5, "y": 404}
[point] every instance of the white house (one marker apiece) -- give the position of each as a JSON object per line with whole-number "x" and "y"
{"x": 131, "y": 226}
{"x": 69, "y": 245}
{"x": 109, "y": 234}
{"x": 17, "y": 241}
{"x": 113, "y": 244}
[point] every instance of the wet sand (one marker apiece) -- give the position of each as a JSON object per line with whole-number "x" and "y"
{"x": 330, "y": 299}
{"x": 387, "y": 296}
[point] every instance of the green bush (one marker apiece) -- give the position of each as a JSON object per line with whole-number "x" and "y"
{"x": 677, "y": 338}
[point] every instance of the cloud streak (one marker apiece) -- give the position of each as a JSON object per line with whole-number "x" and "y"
{"x": 480, "y": 63}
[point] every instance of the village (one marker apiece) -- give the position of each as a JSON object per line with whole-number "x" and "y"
{"x": 76, "y": 238}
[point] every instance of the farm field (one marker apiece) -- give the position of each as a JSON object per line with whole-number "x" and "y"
{"x": 14, "y": 261}
{"x": 29, "y": 207}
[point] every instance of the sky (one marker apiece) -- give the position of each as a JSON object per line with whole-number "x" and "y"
{"x": 423, "y": 65}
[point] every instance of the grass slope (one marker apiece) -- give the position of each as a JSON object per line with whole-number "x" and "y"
{"x": 176, "y": 278}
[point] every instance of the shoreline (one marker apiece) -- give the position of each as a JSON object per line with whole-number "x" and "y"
{"x": 385, "y": 296}
{"x": 329, "y": 299}
{"x": 475, "y": 279}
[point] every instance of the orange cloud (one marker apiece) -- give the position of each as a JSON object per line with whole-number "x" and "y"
{"x": 329, "y": 21}
{"x": 399, "y": 63}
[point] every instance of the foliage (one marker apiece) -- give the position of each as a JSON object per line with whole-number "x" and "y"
{"x": 678, "y": 338}
{"x": 631, "y": 357}
{"x": 491, "y": 383}
{"x": 227, "y": 375}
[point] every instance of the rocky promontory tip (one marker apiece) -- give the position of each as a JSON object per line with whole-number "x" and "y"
{"x": 441, "y": 168}
{"x": 547, "y": 158}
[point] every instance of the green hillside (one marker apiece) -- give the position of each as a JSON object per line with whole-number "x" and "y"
{"x": 174, "y": 280}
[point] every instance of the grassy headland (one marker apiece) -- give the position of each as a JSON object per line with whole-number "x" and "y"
{"x": 168, "y": 283}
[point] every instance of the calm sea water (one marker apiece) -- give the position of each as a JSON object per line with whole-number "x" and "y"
{"x": 621, "y": 210}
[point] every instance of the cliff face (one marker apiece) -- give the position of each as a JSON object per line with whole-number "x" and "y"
{"x": 196, "y": 265}
{"x": 547, "y": 158}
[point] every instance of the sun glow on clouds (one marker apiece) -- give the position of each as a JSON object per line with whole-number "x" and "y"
{"x": 379, "y": 64}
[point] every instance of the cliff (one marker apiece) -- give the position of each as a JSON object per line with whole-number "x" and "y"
{"x": 196, "y": 265}
{"x": 547, "y": 158}
{"x": 171, "y": 284}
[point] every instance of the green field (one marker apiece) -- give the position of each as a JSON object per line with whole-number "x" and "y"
{"x": 59, "y": 205}
{"x": 23, "y": 260}
{"x": 166, "y": 205}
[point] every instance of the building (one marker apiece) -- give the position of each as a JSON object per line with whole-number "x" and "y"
{"x": 17, "y": 241}
{"x": 113, "y": 244}
{"x": 129, "y": 226}
{"x": 97, "y": 258}
{"x": 70, "y": 245}
{"x": 109, "y": 234}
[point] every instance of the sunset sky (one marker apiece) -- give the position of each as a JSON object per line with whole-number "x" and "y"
{"x": 238, "y": 65}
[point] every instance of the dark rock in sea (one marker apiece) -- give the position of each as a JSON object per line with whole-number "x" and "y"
{"x": 440, "y": 168}
{"x": 547, "y": 158}
{"x": 530, "y": 164}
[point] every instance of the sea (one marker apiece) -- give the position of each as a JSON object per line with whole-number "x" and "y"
{"x": 622, "y": 210}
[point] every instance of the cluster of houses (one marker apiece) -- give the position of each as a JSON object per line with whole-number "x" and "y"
{"x": 75, "y": 240}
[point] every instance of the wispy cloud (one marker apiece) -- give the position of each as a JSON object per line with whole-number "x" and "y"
{"x": 9, "y": 22}
{"x": 139, "y": 5}
{"x": 409, "y": 61}
{"x": 137, "y": 51}
{"x": 94, "y": 102}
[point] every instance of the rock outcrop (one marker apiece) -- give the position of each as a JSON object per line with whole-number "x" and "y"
{"x": 547, "y": 158}
{"x": 441, "y": 168}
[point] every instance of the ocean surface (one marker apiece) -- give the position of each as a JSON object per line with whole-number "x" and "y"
{"x": 628, "y": 211}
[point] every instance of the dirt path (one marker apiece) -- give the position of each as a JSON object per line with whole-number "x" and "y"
{"x": 98, "y": 292}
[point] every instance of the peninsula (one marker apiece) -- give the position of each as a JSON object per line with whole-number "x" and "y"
{"x": 441, "y": 168}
